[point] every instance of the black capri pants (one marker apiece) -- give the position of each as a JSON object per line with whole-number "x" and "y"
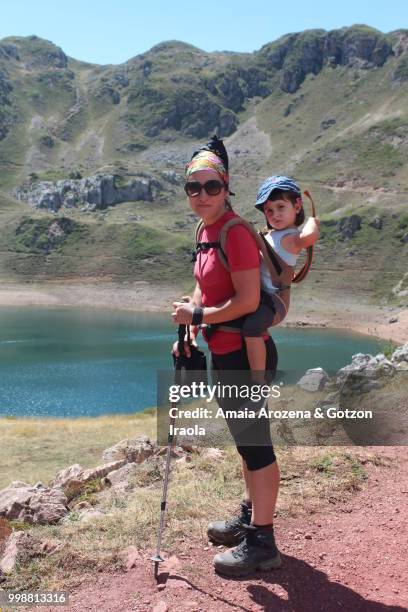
{"x": 260, "y": 454}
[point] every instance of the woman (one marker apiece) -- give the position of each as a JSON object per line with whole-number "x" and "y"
{"x": 219, "y": 296}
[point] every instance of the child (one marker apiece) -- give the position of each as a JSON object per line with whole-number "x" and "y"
{"x": 280, "y": 199}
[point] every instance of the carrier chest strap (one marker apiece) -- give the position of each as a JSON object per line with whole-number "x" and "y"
{"x": 203, "y": 246}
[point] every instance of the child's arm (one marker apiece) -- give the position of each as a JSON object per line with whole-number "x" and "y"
{"x": 294, "y": 243}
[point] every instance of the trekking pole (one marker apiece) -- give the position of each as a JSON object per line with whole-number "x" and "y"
{"x": 177, "y": 377}
{"x": 158, "y": 558}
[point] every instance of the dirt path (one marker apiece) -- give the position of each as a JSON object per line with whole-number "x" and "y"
{"x": 351, "y": 557}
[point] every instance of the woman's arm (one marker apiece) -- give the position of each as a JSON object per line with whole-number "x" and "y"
{"x": 196, "y": 299}
{"x": 247, "y": 285}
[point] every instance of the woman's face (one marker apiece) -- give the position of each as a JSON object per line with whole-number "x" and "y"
{"x": 208, "y": 207}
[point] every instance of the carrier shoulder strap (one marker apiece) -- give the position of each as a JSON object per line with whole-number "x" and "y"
{"x": 278, "y": 269}
{"x": 203, "y": 246}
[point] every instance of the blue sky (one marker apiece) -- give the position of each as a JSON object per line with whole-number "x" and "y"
{"x": 106, "y": 31}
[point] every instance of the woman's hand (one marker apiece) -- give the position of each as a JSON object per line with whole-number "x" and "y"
{"x": 182, "y": 313}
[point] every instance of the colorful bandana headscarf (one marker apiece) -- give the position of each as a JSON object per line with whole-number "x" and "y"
{"x": 205, "y": 160}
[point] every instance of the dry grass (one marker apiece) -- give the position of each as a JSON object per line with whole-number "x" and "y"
{"x": 36, "y": 449}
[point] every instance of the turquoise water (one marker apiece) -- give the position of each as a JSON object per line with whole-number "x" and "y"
{"x": 70, "y": 363}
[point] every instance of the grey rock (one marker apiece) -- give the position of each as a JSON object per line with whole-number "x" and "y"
{"x": 401, "y": 288}
{"x": 327, "y": 123}
{"x": 348, "y": 226}
{"x": 400, "y": 354}
{"x": 376, "y": 223}
{"x": 313, "y": 380}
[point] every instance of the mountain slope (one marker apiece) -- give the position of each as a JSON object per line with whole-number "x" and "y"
{"x": 328, "y": 107}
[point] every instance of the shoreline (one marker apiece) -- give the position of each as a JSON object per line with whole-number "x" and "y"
{"x": 334, "y": 312}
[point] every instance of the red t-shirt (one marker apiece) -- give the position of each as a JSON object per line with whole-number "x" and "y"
{"x": 215, "y": 281}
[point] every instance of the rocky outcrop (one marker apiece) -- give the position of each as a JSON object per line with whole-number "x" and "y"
{"x": 297, "y": 55}
{"x": 399, "y": 357}
{"x": 91, "y": 193}
{"x": 365, "y": 373}
{"x": 39, "y": 53}
{"x": 6, "y": 113}
{"x": 75, "y": 475}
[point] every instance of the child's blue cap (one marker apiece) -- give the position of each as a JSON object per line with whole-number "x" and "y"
{"x": 275, "y": 182}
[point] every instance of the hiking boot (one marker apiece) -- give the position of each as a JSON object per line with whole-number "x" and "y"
{"x": 230, "y": 532}
{"x": 257, "y": 551}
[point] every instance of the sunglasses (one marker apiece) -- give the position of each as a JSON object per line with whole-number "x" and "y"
{"x": 212, "y": 188}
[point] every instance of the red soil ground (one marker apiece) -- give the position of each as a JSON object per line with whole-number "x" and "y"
{"x": 352, "y": 556}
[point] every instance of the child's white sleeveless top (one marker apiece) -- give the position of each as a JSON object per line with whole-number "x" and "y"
{"x": 274, "y": 238}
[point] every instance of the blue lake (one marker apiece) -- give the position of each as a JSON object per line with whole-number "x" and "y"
{"x": 71, "y": 363}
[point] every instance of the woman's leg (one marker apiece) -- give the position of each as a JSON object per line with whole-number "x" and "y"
{"x": 264, "y": 487}
{"x": 259, "y": 467}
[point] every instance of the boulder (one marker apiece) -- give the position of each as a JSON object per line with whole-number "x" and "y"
{"x": 130, "y": 450}
{"x": 66, "y": 475}
{"x": 36, "y": 505}
{"x": 121, "y": 476}
{"x": 313, "y": 380}
{"x": 348, "y": 226}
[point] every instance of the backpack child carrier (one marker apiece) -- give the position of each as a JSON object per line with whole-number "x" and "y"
{"x": 282, "y": 274}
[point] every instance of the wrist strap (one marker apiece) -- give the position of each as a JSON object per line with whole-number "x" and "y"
{"x": 198, "y": 314}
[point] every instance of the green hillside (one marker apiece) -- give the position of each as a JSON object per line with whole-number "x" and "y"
{"x": 329, "y": 108}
